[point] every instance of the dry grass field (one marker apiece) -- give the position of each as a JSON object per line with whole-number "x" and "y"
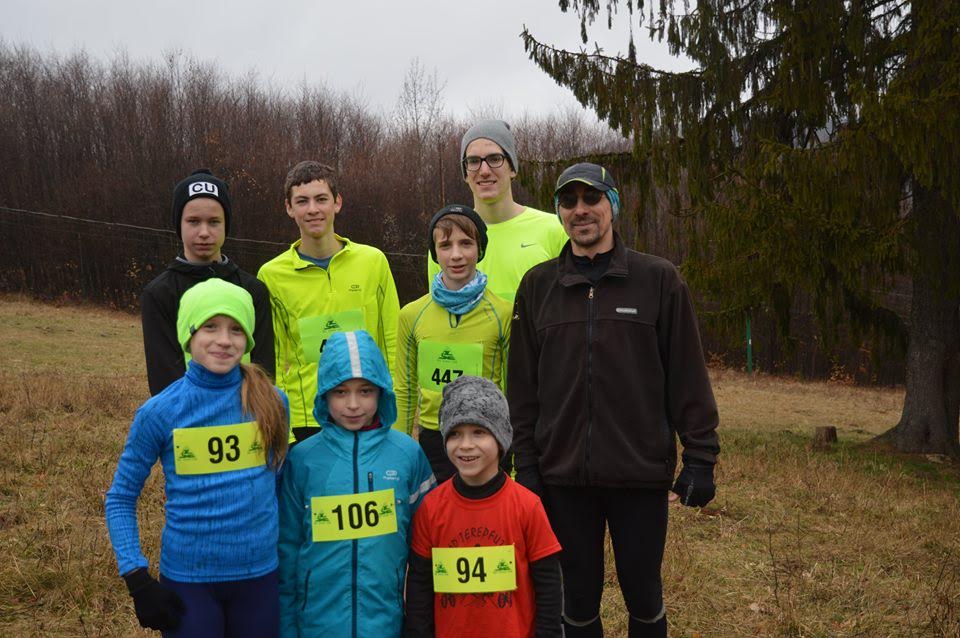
{"x": 848, "y": 542}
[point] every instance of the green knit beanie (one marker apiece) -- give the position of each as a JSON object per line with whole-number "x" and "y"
{"x": 211, "y": 298}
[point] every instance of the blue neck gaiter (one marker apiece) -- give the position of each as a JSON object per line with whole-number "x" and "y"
{"x": 459, "y": 302}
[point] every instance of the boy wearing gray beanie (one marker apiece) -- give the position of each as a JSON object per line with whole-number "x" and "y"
{"x": 480, "y": 536}
{"x": 520, "y": 237}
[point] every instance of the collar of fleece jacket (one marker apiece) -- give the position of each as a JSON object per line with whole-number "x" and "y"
{"x": 354, "y": 355}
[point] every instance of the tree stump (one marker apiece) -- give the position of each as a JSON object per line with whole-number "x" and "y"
{"x": 824, "y": 437}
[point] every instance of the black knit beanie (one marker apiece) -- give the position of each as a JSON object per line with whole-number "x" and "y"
{"x": 200, "y": 183}
{"x": 469, "y": 213}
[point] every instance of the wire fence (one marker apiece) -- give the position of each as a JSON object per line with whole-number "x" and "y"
{"x": 59, "y": 256}
{"x": 53, "y": 256}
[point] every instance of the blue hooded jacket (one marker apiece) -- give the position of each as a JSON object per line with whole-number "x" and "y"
{"x": 349, "y": 588}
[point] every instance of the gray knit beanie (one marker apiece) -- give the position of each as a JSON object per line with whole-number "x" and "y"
{"x": 476, "y": 401}
{"x": 496, "y": 131}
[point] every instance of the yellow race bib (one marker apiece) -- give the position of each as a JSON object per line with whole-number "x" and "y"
{"x": 349, "y": 516}
{"x": 314, "y": 331}
{"x": 474, "y": 570}
{"x": 440, "y": 363}
{"x": 217, "y": 448}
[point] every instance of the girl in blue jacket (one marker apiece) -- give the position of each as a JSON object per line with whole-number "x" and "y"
{"x": 220, "y": 432}
{"x": 347, "y": 498}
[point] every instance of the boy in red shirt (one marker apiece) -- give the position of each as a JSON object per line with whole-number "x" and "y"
{"x": 484, "y": 560}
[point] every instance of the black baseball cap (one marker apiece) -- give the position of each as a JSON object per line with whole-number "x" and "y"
{"x": 590, "y": 174}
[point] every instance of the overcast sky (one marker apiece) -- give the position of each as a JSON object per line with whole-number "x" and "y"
{"x": 361, "y": 47}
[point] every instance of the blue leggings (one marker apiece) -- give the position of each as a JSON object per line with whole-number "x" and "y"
{"x": 231, "y": 609}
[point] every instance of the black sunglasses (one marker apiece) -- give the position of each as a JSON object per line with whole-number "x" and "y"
{"x": 591, "y": 197}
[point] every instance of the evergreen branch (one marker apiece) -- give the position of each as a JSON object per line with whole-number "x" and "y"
{"x": 598, "y": 56}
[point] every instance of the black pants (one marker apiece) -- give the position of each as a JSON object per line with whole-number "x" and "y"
{"x": 637, "y": 520}
{"x": 432, "y": 443}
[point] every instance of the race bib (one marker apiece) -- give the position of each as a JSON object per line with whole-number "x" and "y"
{"x": 349, "y": 516}
{"x": 440, "y": 363}
{"x": 217, "y": 448}
{"x": 474, "y": 570}
{"x": 314, "y": 331}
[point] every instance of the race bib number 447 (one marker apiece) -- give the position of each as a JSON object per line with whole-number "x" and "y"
{"x": 440, "y": 363}
{"x": 217, "y": 448}
{"x": 474, "y": 570}
{"x": 349, "y": 516}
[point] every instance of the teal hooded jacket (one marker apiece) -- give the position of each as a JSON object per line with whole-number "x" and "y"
{"x": 352, "y": 587}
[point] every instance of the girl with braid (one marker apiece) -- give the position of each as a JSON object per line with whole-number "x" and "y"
{"x": 220, "y": 433}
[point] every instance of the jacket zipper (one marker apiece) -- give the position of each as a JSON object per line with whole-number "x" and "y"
{"x": 586, "y": 453}
{"x": 355, "y": 542}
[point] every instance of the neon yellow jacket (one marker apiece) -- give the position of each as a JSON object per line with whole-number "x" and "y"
{"x": 309, "y": 303}
{"x": 434, "y": 348}
{"x": 514, "y": 247}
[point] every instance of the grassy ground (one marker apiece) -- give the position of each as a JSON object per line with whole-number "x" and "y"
{"x": 849, "y": 542}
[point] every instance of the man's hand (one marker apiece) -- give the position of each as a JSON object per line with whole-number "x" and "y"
{"x": 694, "y": 487}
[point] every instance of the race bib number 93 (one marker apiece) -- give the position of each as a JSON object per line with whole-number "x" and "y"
{"x": 217, "y": 448}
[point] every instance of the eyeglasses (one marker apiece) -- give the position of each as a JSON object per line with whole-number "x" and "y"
{"x": 494, "y": 160}
{"x": 591, "y": 197}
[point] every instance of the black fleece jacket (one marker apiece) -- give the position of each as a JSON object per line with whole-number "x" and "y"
{"x": 603, "y": 376}
{"x": 160, "y": 303}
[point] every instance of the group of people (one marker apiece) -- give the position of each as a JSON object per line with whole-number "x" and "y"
{"x": 545, "y": 377}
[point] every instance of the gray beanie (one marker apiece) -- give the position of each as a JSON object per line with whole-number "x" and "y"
{"x": 496, "y": 131}
{"x": 476, "y": 401}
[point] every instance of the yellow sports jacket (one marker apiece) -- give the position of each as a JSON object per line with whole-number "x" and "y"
{"x": 309, "y": 303}
{"x": 435, "y": 347}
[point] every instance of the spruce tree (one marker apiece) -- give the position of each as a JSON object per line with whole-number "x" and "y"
{"x": 819, "y": 143}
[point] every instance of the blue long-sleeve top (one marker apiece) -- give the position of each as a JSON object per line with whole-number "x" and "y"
{"x": 219, "y": 527}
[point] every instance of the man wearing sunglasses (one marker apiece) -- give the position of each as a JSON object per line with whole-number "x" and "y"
{"x": 605, "y": 371}
{"x": 518, "y": 236}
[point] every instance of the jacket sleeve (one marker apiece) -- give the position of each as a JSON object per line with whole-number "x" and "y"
{"x": 263, "y": 352}
{"x": 164, "y": 356}
{"x": 504, "y": 355}
{"x": 419, "y": 621}
{"x": 522, "y": 380}
{"x": 405, "y": 382}
{"x": 691, "y": 407}
{"x": 292, "y": 534}
{"x": 140, "y": 452}
{"x": 389, "y": 310}
{"x": 424, "y": 481}
{"x": 548, "y": 596}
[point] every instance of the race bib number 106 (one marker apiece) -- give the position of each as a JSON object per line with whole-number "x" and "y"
{"x": 350, "y": 516}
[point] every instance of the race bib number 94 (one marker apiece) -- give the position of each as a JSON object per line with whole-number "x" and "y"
{"x": 474, "y": 570}
{"x": 350, "y": 516}
{"x": 217, "y": 448}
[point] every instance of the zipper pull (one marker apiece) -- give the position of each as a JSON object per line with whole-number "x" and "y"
{"x": 590, "y": 294}
{"x": 370, "y": 481}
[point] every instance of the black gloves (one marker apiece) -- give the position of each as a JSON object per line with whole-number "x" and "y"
{"x": 695, "y": 485}
{"x": 529, "y": 477}
{"x": 157, "y": 607}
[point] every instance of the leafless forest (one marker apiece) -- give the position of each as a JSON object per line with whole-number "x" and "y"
{"x": 91, "y": 150}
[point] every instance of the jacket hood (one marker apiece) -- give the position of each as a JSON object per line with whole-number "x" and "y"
{"x": 354, "y": 355}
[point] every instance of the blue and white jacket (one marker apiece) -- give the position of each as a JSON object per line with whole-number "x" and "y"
{"x": 349, "y": 588}
{"x": 219, "y": 527}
